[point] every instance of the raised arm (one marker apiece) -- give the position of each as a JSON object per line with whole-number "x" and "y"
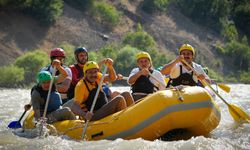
{"x": 168, "y": 67}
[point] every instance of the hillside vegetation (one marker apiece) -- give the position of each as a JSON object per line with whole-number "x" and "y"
{"x": 218, "y": 29}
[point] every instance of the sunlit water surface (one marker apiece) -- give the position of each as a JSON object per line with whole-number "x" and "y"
{"x": 228, "y": 135}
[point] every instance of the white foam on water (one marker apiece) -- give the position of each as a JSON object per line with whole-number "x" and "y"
{"x": 228, "y": 135}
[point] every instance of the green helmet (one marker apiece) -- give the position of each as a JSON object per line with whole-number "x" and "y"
{"x": 43, "y": 76}
{"x": 159, "y": 68}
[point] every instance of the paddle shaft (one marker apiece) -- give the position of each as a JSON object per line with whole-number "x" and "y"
{"x": 48, "y": 96}
{"x": 22, "y": 116}
{"x": 204, "y": 82}
{"x": 151, "y": 75}
{"x": 94, "y": 101}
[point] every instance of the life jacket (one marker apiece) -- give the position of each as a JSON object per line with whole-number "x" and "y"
{"x": 144, "y": 85}
{"x": 53, "y": 104}
{"x": 77, "y": 74}
{"x": 101, "y": 99}
{"x": 183, "y": 79}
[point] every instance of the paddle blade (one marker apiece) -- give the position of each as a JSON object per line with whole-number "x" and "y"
{"x": 238, "y": 114}
{"x": 224, "y": 87}
{"x": 14, "y": 125}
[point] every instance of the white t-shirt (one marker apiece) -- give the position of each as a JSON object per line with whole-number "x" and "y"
{"x": 156, "y": 74}
{"x": 175, "y": 71}
{"x": 67, "y": 69}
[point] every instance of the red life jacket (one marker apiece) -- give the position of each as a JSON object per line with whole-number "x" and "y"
{"x": 77, "y": 74}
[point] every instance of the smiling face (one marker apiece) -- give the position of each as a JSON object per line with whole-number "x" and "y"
{"x": 143, "y": 63}
{"x": 188, "y": 55}
{"x": 91, "y": 75}
{"x": 82, "y": 58}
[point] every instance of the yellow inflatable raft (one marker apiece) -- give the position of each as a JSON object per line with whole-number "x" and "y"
{"x": 149, "y": 119}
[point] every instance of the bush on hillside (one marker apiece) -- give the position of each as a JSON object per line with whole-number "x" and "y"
{"x": 69, "y": 52}
{"x": 240, "y": 55}
{"x": 242, "y": 18}
{"x": 159, "y": 59}
{"x": 95, "y": 56}
{"x": 106, "y": 14}
{"x": 125, "y": 60}
{"x": 209, "y": 13}
{"x": 47, "y": 11}
{"x": 245, "y": 77}
{"x": 11, "y": 76}
{"x": 110, "y": 50}
{"x": 229, "y": 32}
{"x": 151, "y": 6}
{"x": 32, "y": 62}
{"x": 214, "y": 75}
{"x": 139, "y": 39}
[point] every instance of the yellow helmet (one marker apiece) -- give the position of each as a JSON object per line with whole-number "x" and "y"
{"x": 187, "y": 47}
{"x": 143, "y": 55}
{"x": 90, "y": 65}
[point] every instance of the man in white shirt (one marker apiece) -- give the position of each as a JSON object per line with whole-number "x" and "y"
{"x": 179, "y": 73}
{"x": 61, "y": 87}
{"x": 140, "y": 80}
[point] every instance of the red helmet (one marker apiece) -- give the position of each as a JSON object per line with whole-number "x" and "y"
{"x": 57, "y": 52}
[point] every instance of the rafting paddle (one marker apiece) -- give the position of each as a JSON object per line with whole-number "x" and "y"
{"x": 43, "y": 118}
{"x": 16, "y": 124}
{"x": 94, "y": 101}
{"x": 236, "y": 112}
{"x": 224, "y": 87}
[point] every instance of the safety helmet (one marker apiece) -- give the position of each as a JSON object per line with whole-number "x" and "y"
{"x": 43, "y": 76}
{"x": 80, "y": 49}
{"x": 57, "y": 52}
{"x": 90, "y": 65}
{"x": 187, "y": 47}
{"x": 143, "y": 55}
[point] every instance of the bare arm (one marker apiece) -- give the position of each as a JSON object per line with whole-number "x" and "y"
{"x": 168, "y": 67}
{"x": 111, "y": 75}
{"x": 63, "y": 74}
{"x": 63, "y": 86}
{"x": 111, "y": 71}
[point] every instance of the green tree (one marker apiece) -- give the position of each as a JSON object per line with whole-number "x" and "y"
{"x": 229, "y": 32}
{"x": 95, "y": 56}
{"x": 240, "y": 55}
{"x": 69, "y": 52}
{"x": 110, "y": 50}
{"x": 11, "y": 76}
{"x": 32, "y": 62}
{"x": 209, "y": 13}
{"x": 139, "y": 39}
{"x": 125, "y": 60}
{"x": 106, "y": 14}
{"x": 242, "y": 18}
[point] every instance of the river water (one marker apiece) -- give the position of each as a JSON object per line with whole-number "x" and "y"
{"x": 228, "y": 135}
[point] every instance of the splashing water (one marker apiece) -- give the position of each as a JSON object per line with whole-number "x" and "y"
{"x": 228, "y": 135}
